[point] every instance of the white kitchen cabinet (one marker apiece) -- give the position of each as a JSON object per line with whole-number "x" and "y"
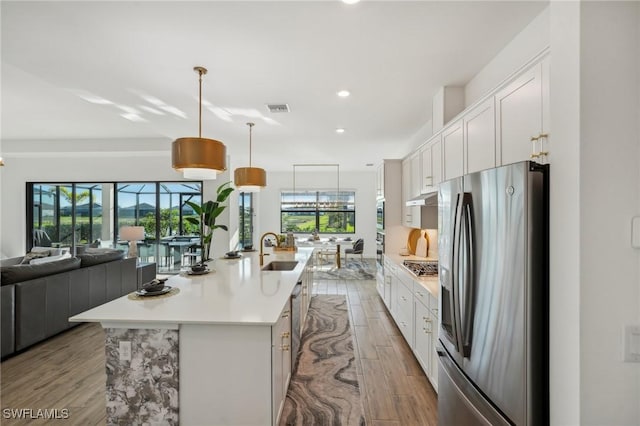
{"x": 404, "y": 308}
{"x": 281, "y": 360}
{"x": 453, "y": 150}
{"x": 407, "y": 213}
{"x": 416, "y": 175}
{"x": 424, "y": 330}
{"x": 410, "y": 189}
{"x": 480, "y": 137}
{"x": 521, "y": 114}
{"x": 431, "y": 156}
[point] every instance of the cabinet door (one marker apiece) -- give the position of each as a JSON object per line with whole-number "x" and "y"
{"x": 407, "y": 219}
{"x": 519, "y": 116}
{"x": 416, "y": 175}
{"x": 436, "y": 161}
{"x": 480, "y": 137}
{"x": 427, "y": 171}
{"x": 424, "y": 332}
{"x": 281, "y": 359}
{"x": 453, "y": 148}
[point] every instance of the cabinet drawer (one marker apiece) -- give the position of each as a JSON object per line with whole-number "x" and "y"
{"x": 422, "y": 294}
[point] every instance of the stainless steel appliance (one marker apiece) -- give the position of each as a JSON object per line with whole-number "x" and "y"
{"x": 493, "y": 336}
{"x": 422, "y": 268}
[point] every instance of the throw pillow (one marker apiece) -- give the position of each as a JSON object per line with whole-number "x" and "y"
{"x": 48, "y": 259}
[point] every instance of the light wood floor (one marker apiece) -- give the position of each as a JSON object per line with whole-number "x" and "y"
{"x": 68, "y": 371}
{"x": 394, "y": 389}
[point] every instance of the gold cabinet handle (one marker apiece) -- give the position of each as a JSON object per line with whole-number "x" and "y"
{"x": 284, "y": 347}
{"x": 535, "y": 155}
{"x": 535, "y": 138}
{"x": 285, "y": 335}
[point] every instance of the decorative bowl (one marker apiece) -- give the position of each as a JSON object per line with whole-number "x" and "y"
{"x": 198, "y": 267}
{"x": 153, "y": 286}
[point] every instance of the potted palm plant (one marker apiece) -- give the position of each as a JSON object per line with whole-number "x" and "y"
{"x": 207, "y": 214}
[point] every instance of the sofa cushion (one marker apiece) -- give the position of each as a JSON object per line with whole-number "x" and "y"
{"x": 19, "y": 273}
{"x": 95, "y": 256}
{"x": 34, "y": 255}
{"x": 47, "y": 259}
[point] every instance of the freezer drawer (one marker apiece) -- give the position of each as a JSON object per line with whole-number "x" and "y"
{"x": 459, "y": 402}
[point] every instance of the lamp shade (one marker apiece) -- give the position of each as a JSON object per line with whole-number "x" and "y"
{"x": 199, "y": 158}
{"x": 132, "y": 233}
{"x": 250, "y": 179}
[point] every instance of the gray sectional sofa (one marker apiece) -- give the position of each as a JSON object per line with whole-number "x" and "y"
{"x": 36, "y": 301}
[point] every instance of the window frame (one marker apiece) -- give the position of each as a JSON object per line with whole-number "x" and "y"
{"x": 318, "y": 211}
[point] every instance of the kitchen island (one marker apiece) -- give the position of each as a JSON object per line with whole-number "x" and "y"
{"x": 215, "y": 353}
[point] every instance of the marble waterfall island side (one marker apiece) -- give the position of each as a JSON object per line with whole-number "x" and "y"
{"x": 206, "y": 355}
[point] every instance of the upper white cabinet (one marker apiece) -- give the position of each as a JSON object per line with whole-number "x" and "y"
{"x": 431, "y": 160}
{"x": 480, "y": 137}
{"x": 522, "y": 116}
{"x": 453, "y": 150}
{"x": 416, "y": 175}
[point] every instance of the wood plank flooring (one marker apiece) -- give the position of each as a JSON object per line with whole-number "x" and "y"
{"x": 68, "y": 371}
{"x": 393, "y": 387}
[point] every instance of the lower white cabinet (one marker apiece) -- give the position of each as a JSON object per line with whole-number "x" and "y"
{"x": 415, "y": 311}
{"x": 426, "y": 337}
{"x": 404, "y": 309}
{"x": 281, "y": 360}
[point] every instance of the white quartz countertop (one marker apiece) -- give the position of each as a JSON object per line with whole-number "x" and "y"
{"x": 236, "y": 292}
{"x": 430, "y": 284}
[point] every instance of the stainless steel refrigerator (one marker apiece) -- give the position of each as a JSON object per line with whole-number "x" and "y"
{"x": 493, "y": 335}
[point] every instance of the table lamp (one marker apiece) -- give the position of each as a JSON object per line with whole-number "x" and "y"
{"x": 133, "y": 234}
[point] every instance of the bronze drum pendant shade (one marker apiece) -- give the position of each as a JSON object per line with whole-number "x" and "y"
{"x": 199, "y": 158}
{"x": 250, "y": 179}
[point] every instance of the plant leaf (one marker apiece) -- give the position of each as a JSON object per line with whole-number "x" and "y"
{"x": 196, "y": 207}
{"x": 221, "y": 227}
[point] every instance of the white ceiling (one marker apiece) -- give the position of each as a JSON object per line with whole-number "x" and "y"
{"x": 391, "y": 55}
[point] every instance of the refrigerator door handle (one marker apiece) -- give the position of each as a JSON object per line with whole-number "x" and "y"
{"x": 469, "y": 277}
{"x": 455, "y": 273}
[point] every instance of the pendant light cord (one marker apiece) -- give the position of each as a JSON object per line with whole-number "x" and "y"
{"x": 200, "y": 105}
{"x": 250, "y": 133}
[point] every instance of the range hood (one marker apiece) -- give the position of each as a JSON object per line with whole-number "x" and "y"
{"x": 429, "y": 199}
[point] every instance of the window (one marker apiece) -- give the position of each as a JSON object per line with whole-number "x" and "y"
{"x": 246, "y": 219}
{"x": 329, "y": 212}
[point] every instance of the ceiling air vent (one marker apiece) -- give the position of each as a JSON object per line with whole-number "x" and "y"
{"x": 278, "y": 107}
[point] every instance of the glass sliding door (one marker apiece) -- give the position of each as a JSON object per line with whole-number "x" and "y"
{"x": 79, "y": 215}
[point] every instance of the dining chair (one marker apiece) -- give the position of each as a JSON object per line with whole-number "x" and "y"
{"x": 358, "y": 248}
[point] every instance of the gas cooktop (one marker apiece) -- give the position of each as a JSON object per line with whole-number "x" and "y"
{"x": 422, "y": 268}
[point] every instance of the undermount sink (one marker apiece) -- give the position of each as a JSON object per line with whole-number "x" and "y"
{"x": 280, "y": 265}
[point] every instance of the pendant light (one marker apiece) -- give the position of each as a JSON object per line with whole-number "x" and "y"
{"x": 199, "y": 158}
{"x": 250, "y": 179}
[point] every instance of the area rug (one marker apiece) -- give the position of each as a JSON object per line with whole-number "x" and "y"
{"x": 353, "y": 270}
{"x": 324, "y": 389}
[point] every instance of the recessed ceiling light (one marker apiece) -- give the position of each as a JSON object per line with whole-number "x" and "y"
{"x": 369, "y": 164}
{"x": 339, "y": 130}
{"x": 350, "y": 1}
{"x": 344, "y": 93}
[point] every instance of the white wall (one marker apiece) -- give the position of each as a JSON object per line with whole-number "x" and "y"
{"x": 23, "y": 163}
{"x": 533, "y": 39}
{"x": 609, "y": 198}
{"x": 564, "y": 273}
{"x": 364, "y": 183}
